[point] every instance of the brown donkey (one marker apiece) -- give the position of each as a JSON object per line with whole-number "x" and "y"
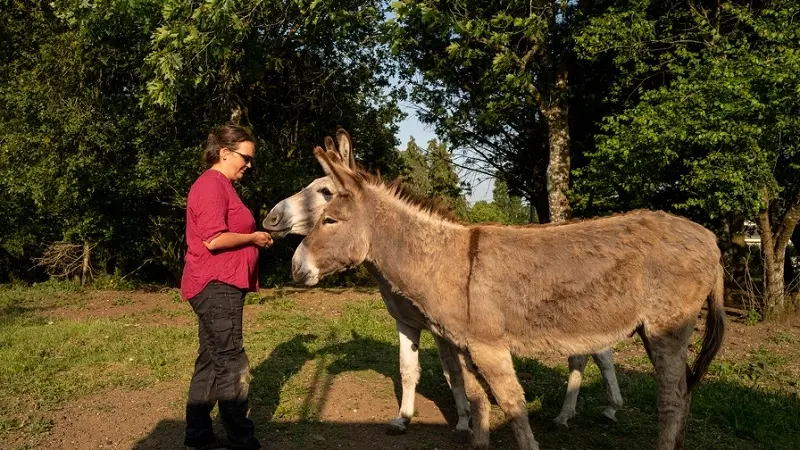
{"x": 299, "y": 213}
{"x": 493, "y": 291}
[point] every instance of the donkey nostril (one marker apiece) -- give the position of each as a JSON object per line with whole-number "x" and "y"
{"x": 273, "y": 218}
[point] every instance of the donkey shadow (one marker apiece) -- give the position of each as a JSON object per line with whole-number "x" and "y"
{"x": 724, "y": 414}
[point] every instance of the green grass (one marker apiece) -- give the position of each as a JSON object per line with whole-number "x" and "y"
{"x": 745, "y": 403}
{"x": 784, "y": 337}
{"x": 56, "y": 360}
{"x": 122, "y": 300}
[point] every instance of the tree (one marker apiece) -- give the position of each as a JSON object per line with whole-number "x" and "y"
{"x": 714, "y": 127}
{"x": 483, "y": 211}
{"x": 70, "y": 123}
{"x": 430, "y": 173}
{"x": 107, "y": 105}
{"x": 511, "y": 207}
{"x": 494, "y": 79}
{"x": 415, "y": 173}
{"x": 443, "y": 178}
{"x": 292, "y": 71}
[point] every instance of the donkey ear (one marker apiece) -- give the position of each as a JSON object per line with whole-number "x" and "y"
{"x": 335, "y": 157}
{"x": 329, "y": 145}
{"x": 344, "y": 178}
{"x": 319, "y": 153}
{"x": 346, "y": 148}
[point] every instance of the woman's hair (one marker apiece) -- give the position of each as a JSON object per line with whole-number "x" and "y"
{"x": 226, "y": 136}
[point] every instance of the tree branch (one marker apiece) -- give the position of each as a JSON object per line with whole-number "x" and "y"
{"x": 787, "y": 226}
{"x": 764, "y": 228}
{"x": 526, "y": 58}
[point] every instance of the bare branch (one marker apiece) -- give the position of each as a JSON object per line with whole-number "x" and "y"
{"x": 64, "y": 259}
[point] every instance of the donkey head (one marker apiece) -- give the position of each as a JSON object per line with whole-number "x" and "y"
{"x": 298, "y": 213}
{"x": 341, "y": 236}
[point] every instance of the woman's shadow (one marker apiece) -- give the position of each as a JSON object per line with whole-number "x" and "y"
{"x": 268, "y": 379}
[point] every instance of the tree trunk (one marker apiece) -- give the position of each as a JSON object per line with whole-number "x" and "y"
{"x": 734, "y": 253}
{"x": 772, "y": 259}
{"x": 774, "y": 292}
{"x": 559, "y": 164}
{"x": 542, "y": 209}
{"x": 739, "y": 251}
{"x": 773, "y": 246}
{"x": 85, "y": 268}
{"x": 791, "y": 274}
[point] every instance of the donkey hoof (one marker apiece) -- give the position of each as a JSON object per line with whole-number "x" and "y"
{"x": 397, "y": 426}
{"x": 463, "y": 437}
{"x": 561, "y": 421}
{"x": 611, "y": 414}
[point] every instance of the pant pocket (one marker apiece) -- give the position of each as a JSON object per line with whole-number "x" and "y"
{"x": 222, "y": 331}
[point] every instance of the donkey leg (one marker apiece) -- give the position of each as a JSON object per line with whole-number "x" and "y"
{"x": 577, "y": 364}
{"x": 605, "y": 361}
{"x": 497, "y": 368}
{"x": 409, "y": 376}
{"x": 668, "y": 349}
{"x": 479, "y": 402}
{"x": 451, "y": 367}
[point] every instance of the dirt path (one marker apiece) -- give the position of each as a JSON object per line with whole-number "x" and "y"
{"x": 351, "y": 417}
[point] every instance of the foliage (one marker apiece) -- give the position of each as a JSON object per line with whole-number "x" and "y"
{"x": 503, "y": 208}
{"x": 416, "y": 171}
{"x": 495, "y": 80}
{"x": 708, "y": 141}
{"x": 431, "y": 173}
{"x": 714, "y": 129}
{"x": 483, "y": 211}
{"x": 106, "y": 105}
{"x": 510, "y": 206}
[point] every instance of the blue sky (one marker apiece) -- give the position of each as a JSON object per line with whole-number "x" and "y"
{"x": 481, "y": 188}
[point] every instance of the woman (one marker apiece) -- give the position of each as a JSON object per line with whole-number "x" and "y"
{"x": 221, "y": 266}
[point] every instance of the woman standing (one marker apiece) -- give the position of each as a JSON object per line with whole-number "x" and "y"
{"x": 221, "y": 266}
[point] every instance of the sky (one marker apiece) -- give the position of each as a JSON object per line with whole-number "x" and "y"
{"x": 410, "y": 126}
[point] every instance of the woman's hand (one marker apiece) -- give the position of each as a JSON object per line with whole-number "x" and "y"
{"x": 262, "y": 239}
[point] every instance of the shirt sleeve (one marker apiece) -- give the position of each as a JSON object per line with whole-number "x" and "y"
{"x": 209, "y": 206}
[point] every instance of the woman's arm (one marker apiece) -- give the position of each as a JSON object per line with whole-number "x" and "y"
{"x": 228, "y": 240}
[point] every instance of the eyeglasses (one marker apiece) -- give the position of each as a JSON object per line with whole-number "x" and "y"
{"x": 247, "y": 158}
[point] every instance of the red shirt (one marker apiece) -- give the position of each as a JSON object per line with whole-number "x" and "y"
{"x": 213, "y": 207}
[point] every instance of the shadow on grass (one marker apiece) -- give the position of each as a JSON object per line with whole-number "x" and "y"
{"x": 725, "y": 414}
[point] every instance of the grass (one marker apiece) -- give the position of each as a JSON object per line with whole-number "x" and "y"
{"x": 56, "y": 360}
{"x": 748, "y": 401}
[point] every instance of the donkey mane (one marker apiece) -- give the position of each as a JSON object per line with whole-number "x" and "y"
{"x": 436, "y": 207}
{"x": 403, "y": 192}
{"x": 396, "y": 188}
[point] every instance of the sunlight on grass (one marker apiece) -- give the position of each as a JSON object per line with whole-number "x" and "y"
{"x": 56, "y": 360}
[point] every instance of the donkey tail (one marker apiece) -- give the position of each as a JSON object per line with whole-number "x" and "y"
{"x": 715, "y": 329}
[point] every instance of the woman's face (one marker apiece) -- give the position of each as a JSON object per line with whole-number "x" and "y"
{"x": 236, "y": 161}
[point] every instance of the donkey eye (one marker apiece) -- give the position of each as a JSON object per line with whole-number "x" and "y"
{"x": 326, "y": 191}
{"x": 328, "y": 220}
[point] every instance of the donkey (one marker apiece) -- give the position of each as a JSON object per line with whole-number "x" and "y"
{"x": 578, "y": 288}
{"x": 298, "y": 214}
